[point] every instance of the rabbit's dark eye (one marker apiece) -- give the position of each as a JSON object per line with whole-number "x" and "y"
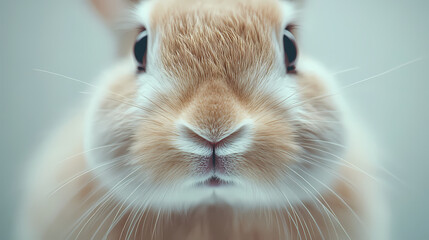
{"x": 291, "y": 50}
{"x": 140, "y": 49}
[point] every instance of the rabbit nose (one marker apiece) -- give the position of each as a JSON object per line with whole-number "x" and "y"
{"x": 210, "y": 142}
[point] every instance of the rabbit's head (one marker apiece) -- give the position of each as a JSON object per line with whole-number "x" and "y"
{"x": 215, "y": 105}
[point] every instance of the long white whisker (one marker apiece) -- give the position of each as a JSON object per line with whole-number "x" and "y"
{"x": 342, "y": 160}
{"x": 337, "y": 196}
{"x": 358, "y": 82}
{"x": 119, "y": 209}
{"x": 87, "y": 151}
{"x": 328, "y": 210}
{"x": 114, "y": 93}
{"x": 80, "y": 174}
{"x": 293, "y": 210}
{"x": 383, "y": 73}
{"x": 316, "y": 202}
{"x": 345, "y": 71}
{"x": 101, "y": 202}
{"x": 383, "y": 169}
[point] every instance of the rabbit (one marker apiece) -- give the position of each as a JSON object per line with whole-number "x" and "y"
{"x": 213, "y": 125}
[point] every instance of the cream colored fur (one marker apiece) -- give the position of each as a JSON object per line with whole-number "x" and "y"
{"x": 124, "y": 169}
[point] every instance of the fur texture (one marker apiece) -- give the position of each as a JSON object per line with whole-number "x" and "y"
{"x": 215, "y": 90}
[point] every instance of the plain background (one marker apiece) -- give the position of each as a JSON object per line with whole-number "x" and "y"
{"x": 67, "y": 37}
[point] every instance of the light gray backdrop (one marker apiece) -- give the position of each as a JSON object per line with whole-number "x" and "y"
{"x": 68, "y": 38}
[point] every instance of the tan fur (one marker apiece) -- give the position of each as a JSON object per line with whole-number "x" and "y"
{"x": 215, "y": 39}
{"x": 212, "y": 52}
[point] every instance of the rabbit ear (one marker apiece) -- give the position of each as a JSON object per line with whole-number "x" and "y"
{"x": 113, "y": 11}
{"x": 110, "y": 10}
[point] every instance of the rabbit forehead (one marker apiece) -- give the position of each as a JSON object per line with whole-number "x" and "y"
{"x": 203, "y": 39}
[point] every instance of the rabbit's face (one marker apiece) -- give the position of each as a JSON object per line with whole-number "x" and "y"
{"x": 216, "y": 111}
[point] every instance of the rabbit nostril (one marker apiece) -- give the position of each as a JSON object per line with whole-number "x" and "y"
{"x": 188, "y": 133}
{"x": 214, "y": 151}
{"x": 200, "y": 142}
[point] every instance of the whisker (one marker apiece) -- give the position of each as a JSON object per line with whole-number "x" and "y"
{"x": 332, "y": 172}
{"x": 339, "y": 198}
{"x": 77, "y": 80}
{"x": 378, "y": 167}
{"x": 117, "y": 213}
{"x": 308, "y": 211}
{"x": 345, "y": 71}
{"x": 97, "y": 87}
{"x": 80, "y": 174}
{"x": 358, "y": 82}
{"x": 140, "y": 217}
{"x": 131, "y": 213}
{"x": 100, "y": 203}
{"x": 87, "y": 151}
{"x": 328, "y": 210}
{"x": 132, "y": 225}
{"x": 293, "y": 210}
{"x": 342, "y": 160}
{"x": 384, "y": 73}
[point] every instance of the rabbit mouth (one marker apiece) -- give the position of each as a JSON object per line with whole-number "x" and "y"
{"x": 214, "y": 181}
